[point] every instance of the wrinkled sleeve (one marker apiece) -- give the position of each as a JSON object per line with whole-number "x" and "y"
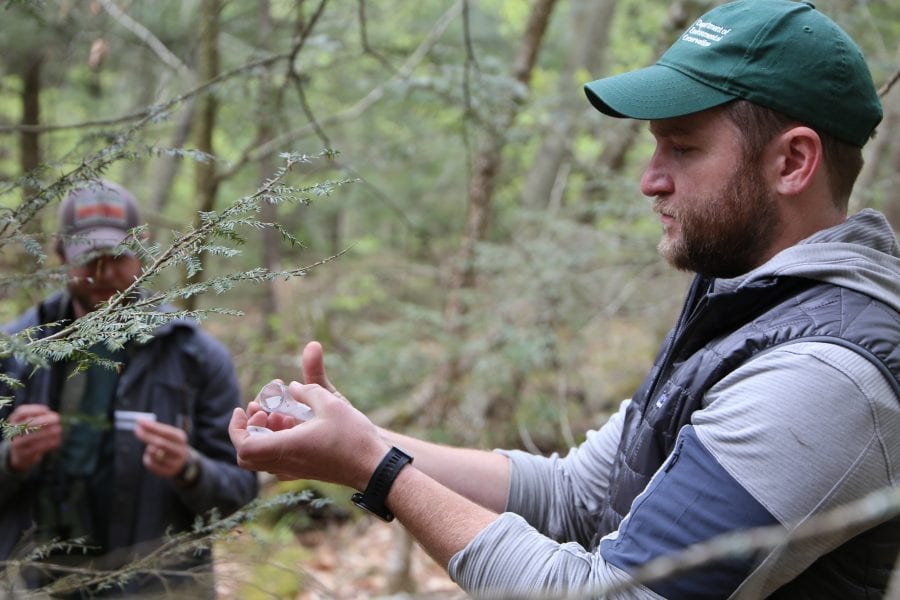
{"x": 511, "y": 559}
{"x": 728, "y": 472}
{"x": 557, "y": 495}
{"x": 691, "y": 498}
{"x": 10, "y": 481}
{"x": 222, "y": 484}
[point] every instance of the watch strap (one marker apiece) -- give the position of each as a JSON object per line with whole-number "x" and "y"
{"x": 191, "y": 471}
{"x": 373, "y": 497}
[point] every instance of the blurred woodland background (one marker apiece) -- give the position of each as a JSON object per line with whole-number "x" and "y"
{"x": 485, "y": 266}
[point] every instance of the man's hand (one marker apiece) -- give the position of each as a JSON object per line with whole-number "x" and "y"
{"x": 341, "y": 445}
{"x": 28, "y": 449}
{"x": 338, "y": 445}
{"x": 167, "y": 450}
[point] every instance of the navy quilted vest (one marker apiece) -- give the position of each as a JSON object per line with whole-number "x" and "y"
{"x": 715, "y": 334}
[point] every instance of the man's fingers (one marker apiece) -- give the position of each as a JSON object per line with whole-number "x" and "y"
{"x": 237, "y": 427}
{"x": 26, "y": 450}
{"x": 312, "y": 395}
{"x": 39, "y": 436}
{"x": 33, "y": 414}
{"x": 161, "y": 429}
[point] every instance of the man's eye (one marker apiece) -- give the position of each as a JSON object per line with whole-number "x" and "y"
{"x": 678, "y": 149}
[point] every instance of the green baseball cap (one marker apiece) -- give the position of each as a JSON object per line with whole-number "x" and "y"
{"x": 781, "y": 54}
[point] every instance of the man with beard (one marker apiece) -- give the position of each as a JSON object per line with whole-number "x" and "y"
{"x": 775, "y": 398}
{"x": 115, "y": 460}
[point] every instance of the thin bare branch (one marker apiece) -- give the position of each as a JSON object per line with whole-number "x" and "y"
{"x": 147, "y": 37}
{"x": 892, "y": 80}
{"x": 152, "y": 112}
{"x": 364, "y": 38}
{"x": 361, "y": 106}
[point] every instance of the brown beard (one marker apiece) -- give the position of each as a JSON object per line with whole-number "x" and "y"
{"x": 726, "y": 235}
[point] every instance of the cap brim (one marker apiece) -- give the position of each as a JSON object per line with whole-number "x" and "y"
{"x": 655, "y": 92}
{"x": 93, "y": 240}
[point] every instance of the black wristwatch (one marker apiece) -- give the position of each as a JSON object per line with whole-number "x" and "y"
{"x": 372, "y": 499}
{"x": 191, "y": 471}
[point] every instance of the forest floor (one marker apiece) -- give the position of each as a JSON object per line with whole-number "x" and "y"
{"x": 347, "y": 560}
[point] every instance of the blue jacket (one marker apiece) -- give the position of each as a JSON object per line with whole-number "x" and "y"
{"x": 184, "y": 376}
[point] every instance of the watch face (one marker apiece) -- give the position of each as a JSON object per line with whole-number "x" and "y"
{"x": 382, "y": 513}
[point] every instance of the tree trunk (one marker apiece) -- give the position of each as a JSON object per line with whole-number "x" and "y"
{"x": 169, "y": 165}
{"x": 590, "y": 27}
{"x": 487, "y": 164}
{"x": 481, "y": 190}
{"x": 892, "y": 199}
{"x": 264, "y": 133}
{"x": 205, "y": 180}
{"x": 135, "y": 170}
{"x": 620, "y": 135}
{"x": 13, "y": 256}
{"x": 882, "y": 156}
{"x": 29, "y": 141}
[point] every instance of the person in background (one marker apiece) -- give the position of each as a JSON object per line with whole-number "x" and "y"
{"x": 774, "y": 398}
{"x": 120, "y": 458}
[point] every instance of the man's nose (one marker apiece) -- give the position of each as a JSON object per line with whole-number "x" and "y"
{"x": 656, "y": 180}
{"x": 105, "y": 269}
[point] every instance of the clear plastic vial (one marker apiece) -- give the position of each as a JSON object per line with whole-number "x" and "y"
{"x": 274, "y": 397}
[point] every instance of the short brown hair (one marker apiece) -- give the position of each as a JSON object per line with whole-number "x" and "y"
{"x": 758, "y": 125}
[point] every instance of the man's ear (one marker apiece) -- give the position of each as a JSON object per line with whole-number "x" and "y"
{"x": 798, "y": 158}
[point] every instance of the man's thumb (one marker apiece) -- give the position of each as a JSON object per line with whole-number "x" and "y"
{"x": 314, "y": 366}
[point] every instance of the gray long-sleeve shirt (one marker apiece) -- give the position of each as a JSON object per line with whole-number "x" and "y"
{"x": 801, "y": 429}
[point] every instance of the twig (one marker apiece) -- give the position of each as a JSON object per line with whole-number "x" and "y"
{"x": 146, "y": 36}
{"x": 367, "y": 101}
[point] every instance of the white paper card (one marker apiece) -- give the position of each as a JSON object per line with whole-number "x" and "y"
{"x": 126, "y": 420}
